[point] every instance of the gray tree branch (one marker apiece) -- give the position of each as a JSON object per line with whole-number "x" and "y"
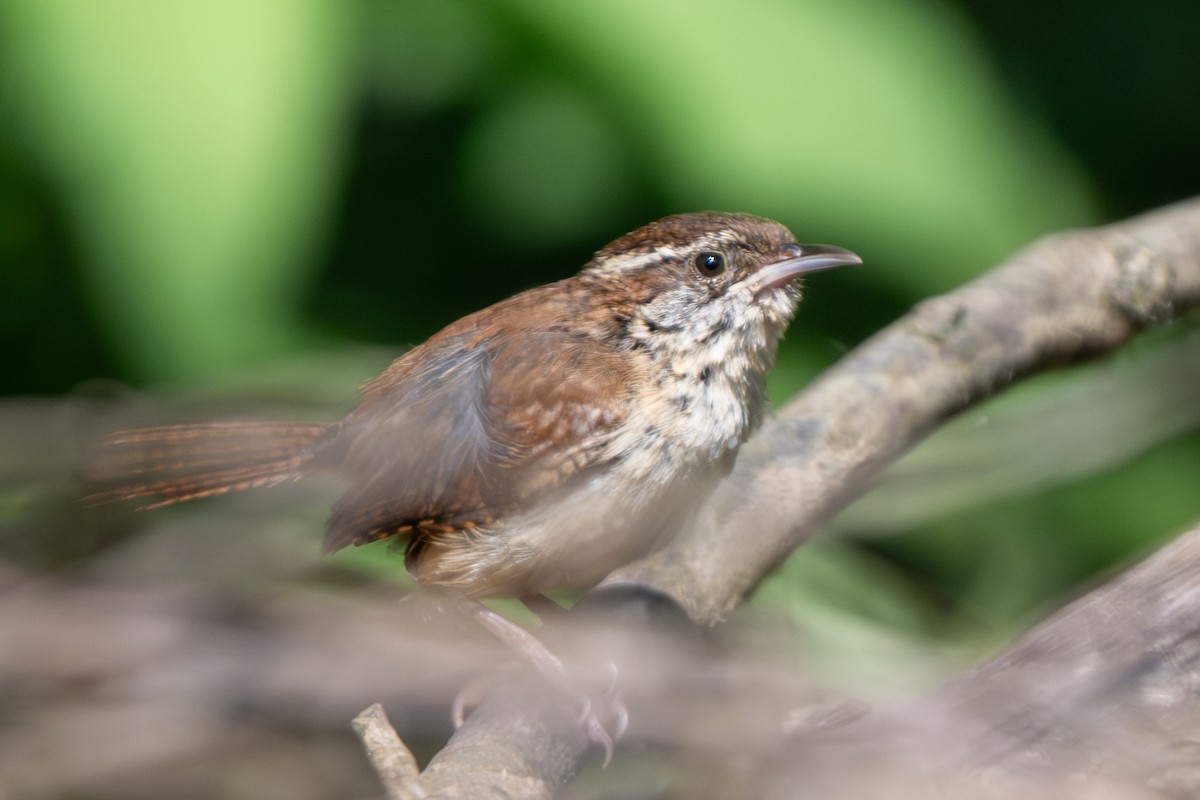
{"x": 1068, "y": 297}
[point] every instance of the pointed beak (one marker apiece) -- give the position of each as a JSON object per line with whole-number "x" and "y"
{"x": 803, "y": 258}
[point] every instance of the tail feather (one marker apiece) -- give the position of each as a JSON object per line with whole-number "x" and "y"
{"x": 174, "y": 463}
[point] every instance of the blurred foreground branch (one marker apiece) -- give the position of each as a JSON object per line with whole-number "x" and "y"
{"x": 1098, "y": 700}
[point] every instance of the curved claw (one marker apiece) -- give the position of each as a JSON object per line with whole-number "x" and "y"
{"x": 468, "y": 697}
{"x": 596, "y": 732}
{"x": 616, "y": 703}
{"x": 615, "y": 706}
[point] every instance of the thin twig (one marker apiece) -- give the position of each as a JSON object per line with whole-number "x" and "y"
{"x": 394, "y": 763}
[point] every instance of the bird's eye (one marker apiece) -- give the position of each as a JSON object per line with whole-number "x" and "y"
{"x": 710, "y": 264}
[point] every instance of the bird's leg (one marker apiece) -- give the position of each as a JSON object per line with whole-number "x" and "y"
{"x": 531, "y": 649}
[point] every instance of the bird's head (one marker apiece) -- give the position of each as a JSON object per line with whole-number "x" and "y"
{"x": 697, "y": 276}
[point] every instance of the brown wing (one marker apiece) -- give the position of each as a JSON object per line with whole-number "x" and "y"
{"x": 473, "y": 426}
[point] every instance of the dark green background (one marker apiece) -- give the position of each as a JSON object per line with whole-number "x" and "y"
{"x": 276, "y": 197}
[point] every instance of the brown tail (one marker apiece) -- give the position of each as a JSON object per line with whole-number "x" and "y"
{"x": 173, "y": 463}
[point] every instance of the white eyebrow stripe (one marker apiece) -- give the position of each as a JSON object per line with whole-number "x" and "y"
{"x": 633, "y": 262}
{"x": 615, "y": 265}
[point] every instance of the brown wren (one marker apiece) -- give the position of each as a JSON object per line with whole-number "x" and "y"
{"x": 543, "y": 441}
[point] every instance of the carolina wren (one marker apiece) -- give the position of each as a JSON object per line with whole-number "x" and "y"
{"x": 543, "y": 441}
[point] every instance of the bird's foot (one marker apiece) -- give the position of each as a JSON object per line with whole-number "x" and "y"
{"x": 614, "y": 708}
{"x": 532, "y": 651}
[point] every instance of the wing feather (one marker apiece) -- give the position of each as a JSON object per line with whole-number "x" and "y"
{"x": 473, "y": 427}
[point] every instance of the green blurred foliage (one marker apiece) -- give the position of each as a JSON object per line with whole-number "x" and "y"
{"x": 200, "y": 151}
{"x": 190, "y": 192}
{"x": 189, "y": 144}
